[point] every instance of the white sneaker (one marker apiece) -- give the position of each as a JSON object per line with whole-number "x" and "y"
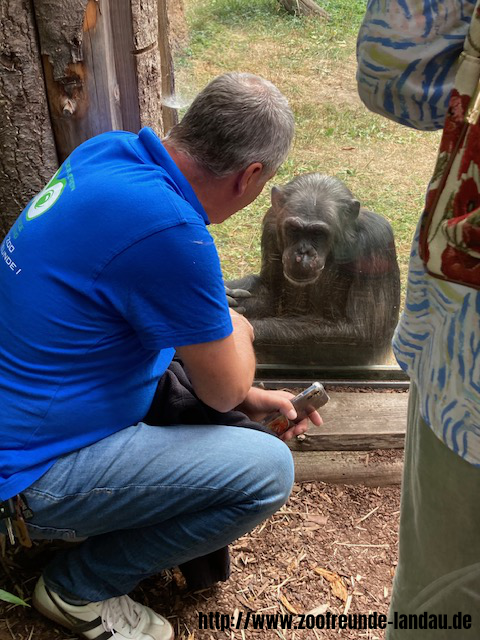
{"x": 120, "y": 617}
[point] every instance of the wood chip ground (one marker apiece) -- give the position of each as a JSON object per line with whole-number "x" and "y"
{"x": 331, "y": 548}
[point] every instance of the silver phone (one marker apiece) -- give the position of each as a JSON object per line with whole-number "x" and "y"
{"x": 305, "y": 403}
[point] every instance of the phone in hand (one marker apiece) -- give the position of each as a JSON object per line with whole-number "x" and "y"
{"x": 305, "y": 403}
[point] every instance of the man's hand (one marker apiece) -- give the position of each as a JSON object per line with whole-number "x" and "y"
{"x": 260, "y": 402}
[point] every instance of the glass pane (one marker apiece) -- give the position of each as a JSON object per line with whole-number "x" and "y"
{"x": 346, "y": 316}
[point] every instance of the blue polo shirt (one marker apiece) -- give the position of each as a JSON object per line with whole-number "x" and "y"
{"x": 104, "y": 273}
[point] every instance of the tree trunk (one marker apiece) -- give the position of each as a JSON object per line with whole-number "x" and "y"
{"x": 101, "y": 70}
{"x": 27, "y": 151}
{"x": 102, "y": 67}
{"x": 178, "y": 28}
{"x": 304, "y": 8}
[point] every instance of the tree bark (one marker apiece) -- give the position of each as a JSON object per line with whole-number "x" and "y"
{"x": 178, "y": 29}
{"x": 148, "y": 64}
{"x": 304, "y": 8}
{"x": 102, "y": 67}
{"x": 78, "y": 61}
{"x": 102, "y": 71}
{"x": 27, "y": 151}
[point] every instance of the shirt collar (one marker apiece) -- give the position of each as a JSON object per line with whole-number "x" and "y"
{"x": 160, "y": 155}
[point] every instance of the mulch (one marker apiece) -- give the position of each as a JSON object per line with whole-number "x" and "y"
{"x": 330, "y": 549}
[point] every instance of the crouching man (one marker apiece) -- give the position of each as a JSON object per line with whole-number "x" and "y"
{"x": 117, "y": 272}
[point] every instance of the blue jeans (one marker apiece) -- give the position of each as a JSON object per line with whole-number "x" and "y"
{"x": 150, "y": 498}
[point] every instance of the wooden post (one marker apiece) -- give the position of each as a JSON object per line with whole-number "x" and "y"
{"x": 170, "y": 114}
{"x": 27, "y": 150}
{"x": 102, "y": 67}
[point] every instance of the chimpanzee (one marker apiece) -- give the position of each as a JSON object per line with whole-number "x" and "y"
{"x": 329, "y": 286}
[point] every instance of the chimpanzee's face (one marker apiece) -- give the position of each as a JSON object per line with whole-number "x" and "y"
{"x": 306, "y": 245}
{"x": 313, "y": 212}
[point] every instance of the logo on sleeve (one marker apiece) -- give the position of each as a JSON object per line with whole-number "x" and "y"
{"x": 47, "y": 197}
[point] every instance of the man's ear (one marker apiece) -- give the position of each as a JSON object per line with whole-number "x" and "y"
{"x": 245, "y": 177}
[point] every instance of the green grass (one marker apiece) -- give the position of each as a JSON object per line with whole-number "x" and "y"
{"x": 212, "y": 23}
{"x": 312, "y": 61}
{"x": 258, "y": 14}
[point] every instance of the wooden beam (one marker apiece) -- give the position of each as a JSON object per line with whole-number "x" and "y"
{"x": 346, "y": 468}
{"x": 339, "y": 441}
{"x": 126, "y": 71}
{"x": 377, "y": 372}
{"x": 358, "y": 422}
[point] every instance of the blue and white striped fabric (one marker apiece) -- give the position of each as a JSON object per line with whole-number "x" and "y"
{"x": 438, "y": 343}
{"x": 407, "y": 53}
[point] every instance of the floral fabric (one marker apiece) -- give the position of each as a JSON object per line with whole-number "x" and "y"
{"x": 450, "y": 229}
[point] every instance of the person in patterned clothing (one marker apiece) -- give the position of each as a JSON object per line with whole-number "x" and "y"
{"x": 408, "y": 52}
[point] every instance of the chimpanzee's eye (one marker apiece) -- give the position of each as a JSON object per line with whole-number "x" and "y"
{"x": 317, "y": 230}
{"x": 294, "y": 224}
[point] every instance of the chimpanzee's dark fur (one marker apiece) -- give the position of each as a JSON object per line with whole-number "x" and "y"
{"x": 329, "y": 287}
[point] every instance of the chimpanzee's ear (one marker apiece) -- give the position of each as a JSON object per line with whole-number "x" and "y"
{"x": 277, "y": 197}
{"x": 353, "y": 209}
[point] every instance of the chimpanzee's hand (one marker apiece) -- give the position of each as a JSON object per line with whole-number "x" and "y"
{"x": 233, "y": 297}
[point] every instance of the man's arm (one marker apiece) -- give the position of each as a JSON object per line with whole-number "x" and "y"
{"x": 222, "y": 371}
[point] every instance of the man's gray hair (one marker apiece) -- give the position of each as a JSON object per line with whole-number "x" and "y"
{"x": 238, "y": 119}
